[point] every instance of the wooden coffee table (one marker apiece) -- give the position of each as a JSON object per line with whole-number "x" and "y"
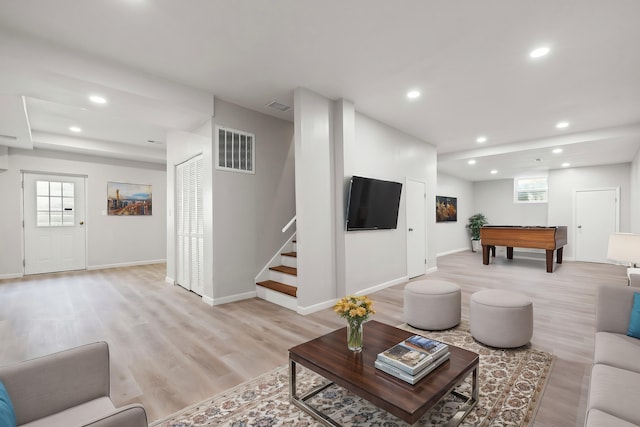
{"x": 329, "y": 356}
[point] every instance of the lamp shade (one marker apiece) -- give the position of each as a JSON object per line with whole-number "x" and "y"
{"x": 624, "y": 247}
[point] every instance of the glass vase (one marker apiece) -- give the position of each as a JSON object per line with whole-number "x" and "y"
{"x": 354, "y": 336}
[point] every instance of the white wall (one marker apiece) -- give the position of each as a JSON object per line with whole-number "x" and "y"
{"x": 495, "y": 200}
{"x": 182, "y": 146}
{"x": 244, "y": 213}
{"x": 564, "y": 182}
{"x": 378, "y": 257}
{"x": 249, "y": 210}
{"x": 111, "y": 240}
{"x": 635, "y": 194}
{"x": 333, "y": 143}
{"x": 315, "y": 199}
{"x": 454, "y": 236}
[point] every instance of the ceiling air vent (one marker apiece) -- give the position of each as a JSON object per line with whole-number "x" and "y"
{"x": 278, "y": 106}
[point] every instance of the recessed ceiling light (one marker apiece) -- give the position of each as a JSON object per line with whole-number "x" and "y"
{"x": 562, "y": 125}
{"x": 471, "y": 162}
{"x": 481, "y": 139}
{"x": 566, "y": 165}
{"x": 97, "y": 99}
{"x": 494, "y": 171}
{"x": 75, "y": 129}
{"x": 557, "y": 150}
{"x": 538, "y": 52}
{"x": 413, "y": 94}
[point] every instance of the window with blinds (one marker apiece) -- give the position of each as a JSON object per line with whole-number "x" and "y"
{"x": 530, "y": 189}
{"x": 236, "y": 150}
{"x": 189, "y": 225}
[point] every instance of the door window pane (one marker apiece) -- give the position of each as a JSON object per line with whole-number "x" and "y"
{"x": 42, "y": 203}
{"x": 67, "y": 189}
{"x": 42, "y": 188}
{"x": 55, "y": 188}
{"x": 55, "y": 204}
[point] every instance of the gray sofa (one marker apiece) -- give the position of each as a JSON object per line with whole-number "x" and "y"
{"x": 67, "y": 389}
{"x": 614, "y": 390}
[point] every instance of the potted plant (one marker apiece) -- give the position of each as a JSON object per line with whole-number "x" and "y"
{"x": 475, "y": 223}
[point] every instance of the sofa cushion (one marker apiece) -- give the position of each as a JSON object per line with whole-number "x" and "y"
{"x": 617, "y": 350}
{"x": 597, "y": 418}
{"x": 7, "y": 414}
{"x": 615, "y": 391}
{"x": 634, "y": 319}
{"x": 79, "y": 415}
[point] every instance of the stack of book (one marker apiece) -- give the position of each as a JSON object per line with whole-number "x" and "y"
{"x": 412, "y": 359}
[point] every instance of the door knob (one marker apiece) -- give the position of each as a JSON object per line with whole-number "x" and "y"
{"x": 81, "y": 222}
{"x": 579, "y": 226}
{"x": 411, "y": 229}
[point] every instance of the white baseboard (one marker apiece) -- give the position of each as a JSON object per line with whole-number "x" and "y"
{"x": 169, "y": 280}
{"x": 230, "y": 298}
{"x": 11, "y": 276}
{"x": 316, "y": 307}
{"x": 328, "y": 304}
{"x": 384, "y": 285}
{"x": 207, "y": 300}
{"x": 432, "y": 270}
{"x": 126, "y": 264}
{"x": 454, "y": 251}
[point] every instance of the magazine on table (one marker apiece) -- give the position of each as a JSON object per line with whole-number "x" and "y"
{"x": 426, "y": 345}
{"x": 410, "y": 358}
{"x": 404, "y": 376}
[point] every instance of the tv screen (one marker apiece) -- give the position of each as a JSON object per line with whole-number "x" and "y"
{"x": 372, "y": 204}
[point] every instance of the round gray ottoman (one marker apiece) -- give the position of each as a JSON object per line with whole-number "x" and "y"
{"x": 432, "y": 304}
{"x": 501, "y": 318}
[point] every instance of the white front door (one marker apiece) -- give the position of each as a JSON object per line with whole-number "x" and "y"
{"x": 596, "y": 218}
{"x": 416, "y": 226}
{"x": 54, "y": 223}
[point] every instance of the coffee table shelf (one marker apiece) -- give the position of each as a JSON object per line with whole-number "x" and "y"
{"x": 329, "y": 357}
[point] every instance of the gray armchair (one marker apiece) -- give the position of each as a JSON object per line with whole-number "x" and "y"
{"x": 68, "y": 389}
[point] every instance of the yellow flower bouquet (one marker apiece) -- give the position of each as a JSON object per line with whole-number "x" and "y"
{"x": 356, "y": 309}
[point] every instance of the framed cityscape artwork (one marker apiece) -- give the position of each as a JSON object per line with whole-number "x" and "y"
{"x": 129, "y": 199}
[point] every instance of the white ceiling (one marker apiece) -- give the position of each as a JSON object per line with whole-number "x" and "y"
{"x": 159, "y": 61}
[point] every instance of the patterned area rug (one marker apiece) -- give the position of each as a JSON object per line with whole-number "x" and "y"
{"x": 511, "y": 386}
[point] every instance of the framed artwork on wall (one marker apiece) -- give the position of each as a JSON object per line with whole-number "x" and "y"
{"x": 446, "y": 209}
{"x": 129, "y": 199}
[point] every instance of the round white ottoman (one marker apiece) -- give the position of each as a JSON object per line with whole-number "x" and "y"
{"x": 501, "y": 318}
{"x": 432, "y": 304}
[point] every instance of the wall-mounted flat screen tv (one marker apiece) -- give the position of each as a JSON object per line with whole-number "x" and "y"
{"x": 372, "y": 204}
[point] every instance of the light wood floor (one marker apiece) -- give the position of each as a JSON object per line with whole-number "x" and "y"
{"x": 170, "y": 350}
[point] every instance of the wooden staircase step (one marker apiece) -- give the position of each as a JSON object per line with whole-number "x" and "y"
{"x": 291, "y": 254}
{"x": 279, "y": 287}
{"x": 286, "y": 270}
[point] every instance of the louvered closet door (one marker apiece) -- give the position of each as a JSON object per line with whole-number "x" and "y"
{"x": 189, "y": 225}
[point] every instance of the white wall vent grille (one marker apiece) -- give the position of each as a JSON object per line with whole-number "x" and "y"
{"x": 278, "y": 106}
{"x": 236, "y": 150}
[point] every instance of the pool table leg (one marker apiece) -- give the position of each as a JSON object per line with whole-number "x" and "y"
{"x": 549, "y": 260}
{"x": 509, "y": 252}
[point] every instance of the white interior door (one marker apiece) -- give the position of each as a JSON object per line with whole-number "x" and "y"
{"x": 54, "y": 223}
{"x": 597, "y": 213}
{"x": 189, "y": 226}
{"x": 416, "y": 228}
